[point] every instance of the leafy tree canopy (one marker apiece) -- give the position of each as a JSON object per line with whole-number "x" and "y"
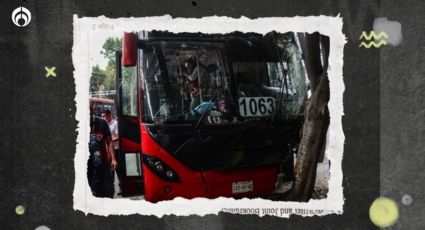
{"x": 104, "y": 79}
{"x": 110, "y": 46}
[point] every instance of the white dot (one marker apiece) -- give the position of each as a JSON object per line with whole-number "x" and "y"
{"x": 42, "y": 227}
{"x": 406, "y": 200}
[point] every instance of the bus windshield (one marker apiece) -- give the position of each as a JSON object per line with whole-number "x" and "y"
{"x": 181, "y": 80}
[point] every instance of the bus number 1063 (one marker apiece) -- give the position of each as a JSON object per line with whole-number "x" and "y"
{"x": 256, "y": 106}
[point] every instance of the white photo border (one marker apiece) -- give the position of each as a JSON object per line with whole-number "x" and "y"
{"x": 325, "y": 25}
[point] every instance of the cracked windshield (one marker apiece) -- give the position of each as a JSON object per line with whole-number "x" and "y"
{"x": 182, "y": 80}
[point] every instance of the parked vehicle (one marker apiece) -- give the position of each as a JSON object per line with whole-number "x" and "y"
{"x": 205, "y": 115}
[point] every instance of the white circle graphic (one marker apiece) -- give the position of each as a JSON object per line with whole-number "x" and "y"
{"x": 42, "y": 227}
{"x": 406, "y": 200}
{"x": 21, "y": 16}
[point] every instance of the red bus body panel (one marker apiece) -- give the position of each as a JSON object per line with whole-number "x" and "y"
{"x": 150, "y": 147}
{"x": 132, "y": 185}
{"x": 155, "y": 188}
{"x": 219, "y": 183}
{"x": 210, "y": 184}
{"x": 130, "y": 145}
{"x": 129, "y": 49}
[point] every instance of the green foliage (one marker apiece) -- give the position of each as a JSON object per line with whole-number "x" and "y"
{"x": 97, "y": 79}
{"x": 110, "y": 46}
{"x": 104, "y": 79}
{"x": 110, "y": 75}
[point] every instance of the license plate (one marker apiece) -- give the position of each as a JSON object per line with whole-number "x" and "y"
{"x": 242, "y": 186}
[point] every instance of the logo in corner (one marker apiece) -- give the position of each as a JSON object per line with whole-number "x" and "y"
{"x": 21, "y": 16}
{"x": 376, "y": 37}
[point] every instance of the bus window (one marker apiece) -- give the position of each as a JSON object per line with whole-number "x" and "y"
{"x": 181, "y": 77}
{"x": 296, "y": 79}
{"x": 267, "y": 84}
{"x": 129, "y": 91}
{"x": 154, "y": 97}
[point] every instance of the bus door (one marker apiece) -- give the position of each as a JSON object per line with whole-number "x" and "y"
{"x": 130, "y": 162}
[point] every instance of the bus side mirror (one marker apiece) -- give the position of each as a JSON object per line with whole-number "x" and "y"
{"x": 129, "y": 49}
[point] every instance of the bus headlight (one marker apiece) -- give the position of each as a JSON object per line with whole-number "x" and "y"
{"x": 169, "y": 174}
{"x": 160, "y": 169}
{"x": 159, "y": 166}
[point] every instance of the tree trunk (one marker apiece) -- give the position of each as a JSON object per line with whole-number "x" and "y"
{"x": 316, "y": 119}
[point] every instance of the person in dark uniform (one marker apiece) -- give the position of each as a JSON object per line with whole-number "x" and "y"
{"x": 102, "y": 162}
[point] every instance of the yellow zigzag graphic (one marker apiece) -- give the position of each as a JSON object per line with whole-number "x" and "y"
{"x": 372, "y": 34}
{"x": 372, "y": 43}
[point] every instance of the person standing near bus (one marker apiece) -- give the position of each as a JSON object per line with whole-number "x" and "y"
{"x": 102, "y": 162}
{"x": 113, "y": 127}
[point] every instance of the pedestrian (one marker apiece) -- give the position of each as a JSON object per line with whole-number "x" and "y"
{"x": 113, "y": 127}
{"x": 102, "y": 162}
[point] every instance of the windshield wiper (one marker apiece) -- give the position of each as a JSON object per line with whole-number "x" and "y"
{"x": 207, "y": 107}
{"x": 210, "y": 105}
{"x": 280, "y": 99}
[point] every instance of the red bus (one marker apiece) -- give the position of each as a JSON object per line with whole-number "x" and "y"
{"x": 206, "y": 115}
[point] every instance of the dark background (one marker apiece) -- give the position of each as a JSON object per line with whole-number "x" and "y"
{"x": 383, "y": 105}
